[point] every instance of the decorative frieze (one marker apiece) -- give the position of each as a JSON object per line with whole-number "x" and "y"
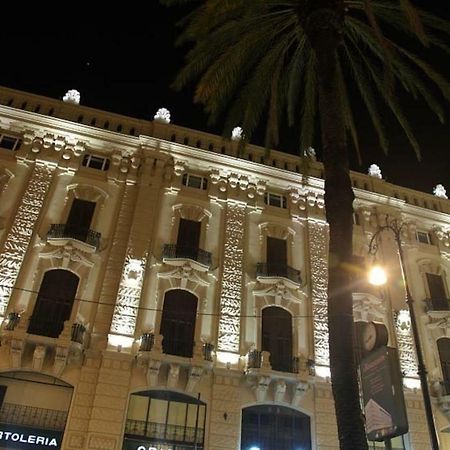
{"x": 21, "y": 232}
{"x": 318, "y": 239}
{"x": 128, "y": 296}
{"x": 231, "y": 289}
{"x": 406, "y": 350}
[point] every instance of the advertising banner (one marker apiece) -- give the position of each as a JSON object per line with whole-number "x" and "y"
{"x": 384, "y": 403}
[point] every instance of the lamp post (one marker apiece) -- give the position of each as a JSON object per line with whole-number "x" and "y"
{"x": 396, "y": 227}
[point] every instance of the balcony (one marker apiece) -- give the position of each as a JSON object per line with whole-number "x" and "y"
{"x": 65, "y": 231}
{"x": 188, "y": 436}
{"x": 29, "y": 416}
{"x": 173, "y": 252}
{"x": 277, "y": 270}
{"x": 287, "y": 365}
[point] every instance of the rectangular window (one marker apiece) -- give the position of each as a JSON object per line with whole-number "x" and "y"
{"x": 10, "y": 142}
{"x": 438, "y": 295}
{"x": 195, "y": 181}
{"x": 423, "y": 237}
{"x": 95, "y": 162}
{"x": 276, "y": 200}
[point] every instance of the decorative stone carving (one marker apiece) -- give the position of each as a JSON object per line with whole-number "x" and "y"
{"x": 60, "y": 362}
{"x": 179, "y": 167}
{"x": 231, "y": 289}
{"x": 318, "y": 238}
{"x": 406, "y": 350}
{"x": 374, "y": 171}
{"x": 367, "y": 307}
{"x": 128, "y": 296}
{"x": 38, "y": 357}
{"x": 195, "y": 375}
{"x": 162, "y": 115}
{"x": 154, "y": 366}
{"x": 237, "y": 134}
{"x": 279, "y": 390}
{"x": 72, "y": 96}
{"x": 21, "y": 232}
{"x": 173, "y": 376}
{"x": 310, "y": 153}
{"x": 439, "y": 191}
{"x": 300, "y": 389}
{"x": 261, "y": 387}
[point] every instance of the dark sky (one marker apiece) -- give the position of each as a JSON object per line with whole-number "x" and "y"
{"x": 124, "y": 61}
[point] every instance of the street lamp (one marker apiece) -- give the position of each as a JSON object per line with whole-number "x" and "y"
{"x": 396, "y": 227}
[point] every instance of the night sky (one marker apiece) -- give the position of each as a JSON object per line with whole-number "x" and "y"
{"x": 123, "y": 60}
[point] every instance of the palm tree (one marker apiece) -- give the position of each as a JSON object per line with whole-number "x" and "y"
{"x": 296, "y": 58}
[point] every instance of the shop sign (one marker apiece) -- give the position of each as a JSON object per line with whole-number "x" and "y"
{"x": 24, "y": 438}
{"x": 384, "y": 403}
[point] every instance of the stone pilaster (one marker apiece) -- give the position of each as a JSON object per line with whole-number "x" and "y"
{"x": 105, "y": 430}
{"x": 115, "y": 260}
{"x": 325, "y": 419}
{"x": 318, "y": 253}
{"x": 133, "y": 271}
{"x": 21, "y": 232}
{"x": 225, "y": 422}
{"x": 418, "y": 429}
{"x": 75, "y": 436}
{"x": 231, "y": 283}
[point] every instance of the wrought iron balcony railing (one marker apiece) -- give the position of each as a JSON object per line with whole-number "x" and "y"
{"x": 175, "y": 251}
{"x": 49, "y": 419}
{"x": 278, "y": 270}
{"x": 69, "y": 231}
{"x": 437, "y": 304}
{"x": 175, "y": 433}
{"x": 289, "y": 365}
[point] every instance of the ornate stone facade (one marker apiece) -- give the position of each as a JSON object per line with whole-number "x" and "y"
{"x": 155, "y": 317}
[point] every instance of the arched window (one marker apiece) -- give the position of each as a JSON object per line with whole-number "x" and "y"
{"x": 272, "y": 427}
{"x": 54, "y": 303}
{"x": 164, "y": 419}
{"x": 178, "y": 322}
{"x": 277, "y": 337}
{"x": 444, "y": 356}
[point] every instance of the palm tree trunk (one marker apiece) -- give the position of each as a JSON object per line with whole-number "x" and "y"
{"x": 324, "y": 32}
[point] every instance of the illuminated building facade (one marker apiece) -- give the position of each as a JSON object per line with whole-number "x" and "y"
{"x": 161, "y": 288}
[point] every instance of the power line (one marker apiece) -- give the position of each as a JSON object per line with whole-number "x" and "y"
{"x": 143, "y": 308}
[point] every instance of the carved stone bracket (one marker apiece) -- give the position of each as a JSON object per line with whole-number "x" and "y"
{"x": 38, "y": 357}
{"x": 153, "y": 368}
{"x": 279, "y": 390}
{"x": 444, "y": 406}
{"x": 174, "y": 376}
{"x": 261, "y": 387}
{"x": 195, "y": 375}
{"x": 300, "y": 389}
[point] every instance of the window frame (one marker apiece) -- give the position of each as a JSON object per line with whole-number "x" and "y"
{"x": 424, "y": 237}
{"x": 188, "y": 177}
{"x": 88, "y": 159}
{"x": 16, "y": 144}
{"x": 270, "y": 199}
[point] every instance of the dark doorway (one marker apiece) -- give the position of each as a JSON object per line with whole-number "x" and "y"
{"x": 277, "y": 337}
{"x": 178, "y": 322}
{"x": 276, "y": 257}
{"x": 54, "y": 303}
{"x": 188, "y": 239}
{"x": 437, "y": 292}
{"x": 80, "y": 218}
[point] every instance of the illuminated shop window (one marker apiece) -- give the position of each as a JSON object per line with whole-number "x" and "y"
{"x": 273, "y": 427}
{"x": 164, "y": 420}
